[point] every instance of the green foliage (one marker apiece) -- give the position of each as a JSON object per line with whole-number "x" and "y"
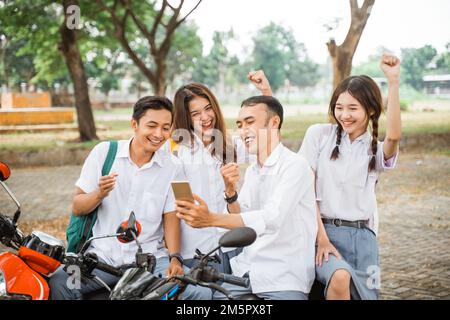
{"x": 218, "y": 65}
{"x": 29, "y": 30}
{"x": 16, "y": 68}
{"x": 443, "y": 61}
{"x": 409, "y": 94}
{"x": 371, "y": 67}
{"x": 404, "y": 105}
{"x": 186, "y": 47}
{"x": 278, "y": 53}
{"x": 414, "y": 63}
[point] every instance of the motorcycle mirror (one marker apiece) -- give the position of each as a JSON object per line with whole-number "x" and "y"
{"x": 127, "y": 228}
{"x": 5, "y": 172}
{"x": 239, "y": 237}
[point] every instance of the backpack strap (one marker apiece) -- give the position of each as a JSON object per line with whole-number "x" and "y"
{"x": 110, "y": 157}
{"x": 92, "y": 217}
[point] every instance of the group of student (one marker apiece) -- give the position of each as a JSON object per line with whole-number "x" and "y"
{"x": 314, "y": 212}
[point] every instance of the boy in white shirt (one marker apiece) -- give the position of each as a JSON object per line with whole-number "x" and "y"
{"x": 140, "y": 182}
{"x": 277, "y": 200}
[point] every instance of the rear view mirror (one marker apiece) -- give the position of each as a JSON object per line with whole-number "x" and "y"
{"x": 4, "y": 171}
{"x": 239, "y": 237}
{"x": 128, "y": 228}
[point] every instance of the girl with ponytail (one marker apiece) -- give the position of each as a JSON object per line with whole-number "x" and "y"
{"x": 347, "y": 158}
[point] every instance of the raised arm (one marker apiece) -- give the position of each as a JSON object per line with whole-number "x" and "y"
{"x": 390, "y": 65}
{"x": 260, "y": 81}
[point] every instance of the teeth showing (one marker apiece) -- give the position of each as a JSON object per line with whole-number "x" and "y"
{"x": 207, "y": 124}
{"x": 249, "y": 139}
{"x": 155, "y": 141}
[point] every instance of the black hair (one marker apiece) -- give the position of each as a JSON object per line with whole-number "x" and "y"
{"x": 273, "y": 105}
{"x": 151, "y": 102}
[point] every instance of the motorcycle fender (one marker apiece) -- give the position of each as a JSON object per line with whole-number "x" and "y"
{"x": 21, "y": 279}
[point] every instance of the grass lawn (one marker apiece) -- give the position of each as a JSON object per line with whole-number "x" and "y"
{"x": 294, "y": 127}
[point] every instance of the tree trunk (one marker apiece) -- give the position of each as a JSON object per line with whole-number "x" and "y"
{"x": 106, "y": 103}
{"x": 342, "y": 55}
{"x": 342, "y": 65}
{"x": 71, "y": 53}
{"x": 160, "y": 84}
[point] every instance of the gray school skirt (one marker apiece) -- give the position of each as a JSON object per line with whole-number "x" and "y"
{"x": 359, "y": 256}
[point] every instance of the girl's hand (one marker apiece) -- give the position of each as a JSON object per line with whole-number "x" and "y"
{"x": 324, "y": 248}
{"x": 390, "y": 65}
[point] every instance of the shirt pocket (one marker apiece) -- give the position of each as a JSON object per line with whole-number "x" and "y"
{"x": 358, "y": 174}
{"x": 152, "y": 208}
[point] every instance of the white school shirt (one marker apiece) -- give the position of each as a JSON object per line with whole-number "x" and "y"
{"x": 145, "y": 191}
{"x": 345, "y": 189}
{"x": 202, "y": 170}
{"x": 278, "y": 202}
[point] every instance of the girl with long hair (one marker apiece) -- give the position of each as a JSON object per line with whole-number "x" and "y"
{"x": 347, "y": 159}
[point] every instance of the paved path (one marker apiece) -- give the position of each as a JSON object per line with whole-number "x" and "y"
{"x": 414, "y": 202}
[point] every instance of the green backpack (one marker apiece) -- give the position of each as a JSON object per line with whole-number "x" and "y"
{"x": 80, "y": 227}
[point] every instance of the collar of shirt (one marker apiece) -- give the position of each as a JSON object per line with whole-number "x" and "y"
{"x": 199, "y": 145}
{"x": 271, "y": 161}
{"x": 123, "y": 151}
{"x": 365, "y": 137}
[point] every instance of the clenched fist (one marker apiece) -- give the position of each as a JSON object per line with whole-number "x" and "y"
{"x": 390, "y": 65}
{"x": 230, "y": 173}
{"x": 259, "y": 80}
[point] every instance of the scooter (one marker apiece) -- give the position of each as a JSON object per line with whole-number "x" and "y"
{"x": 35, "y": 257}
{"x": 24, "y": 274}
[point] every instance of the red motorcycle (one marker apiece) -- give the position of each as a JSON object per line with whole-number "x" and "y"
{"x": 37, "y": 255}
{"x": 24, "y": 272}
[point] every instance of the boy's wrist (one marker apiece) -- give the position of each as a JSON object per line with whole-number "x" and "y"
{"x": 98, "y": 194}
{"x": 176, "y": 257}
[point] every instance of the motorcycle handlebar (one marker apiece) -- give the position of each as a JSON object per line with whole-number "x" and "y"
{"x": 242, "y": 282}
{"x": 109, "y": 269}
{"x": 185, "y": 279}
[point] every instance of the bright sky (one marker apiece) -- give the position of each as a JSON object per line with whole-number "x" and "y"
{"x": 393, "y": 24}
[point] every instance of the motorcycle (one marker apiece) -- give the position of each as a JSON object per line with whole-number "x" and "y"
{"x": 35, "y": 257}
{"x": 24, "y": 273}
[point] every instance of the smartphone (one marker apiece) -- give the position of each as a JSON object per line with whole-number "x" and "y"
{"x": 182, "y": 191}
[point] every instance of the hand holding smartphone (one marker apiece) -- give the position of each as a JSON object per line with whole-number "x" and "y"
{"x": 182, "y": 191}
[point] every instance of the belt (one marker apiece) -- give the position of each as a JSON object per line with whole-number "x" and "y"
{"x": 344, "y": 223}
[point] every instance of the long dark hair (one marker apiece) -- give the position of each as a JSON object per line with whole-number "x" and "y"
{"x": 182, "y": 118}
{"x": 368, "y": 94}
